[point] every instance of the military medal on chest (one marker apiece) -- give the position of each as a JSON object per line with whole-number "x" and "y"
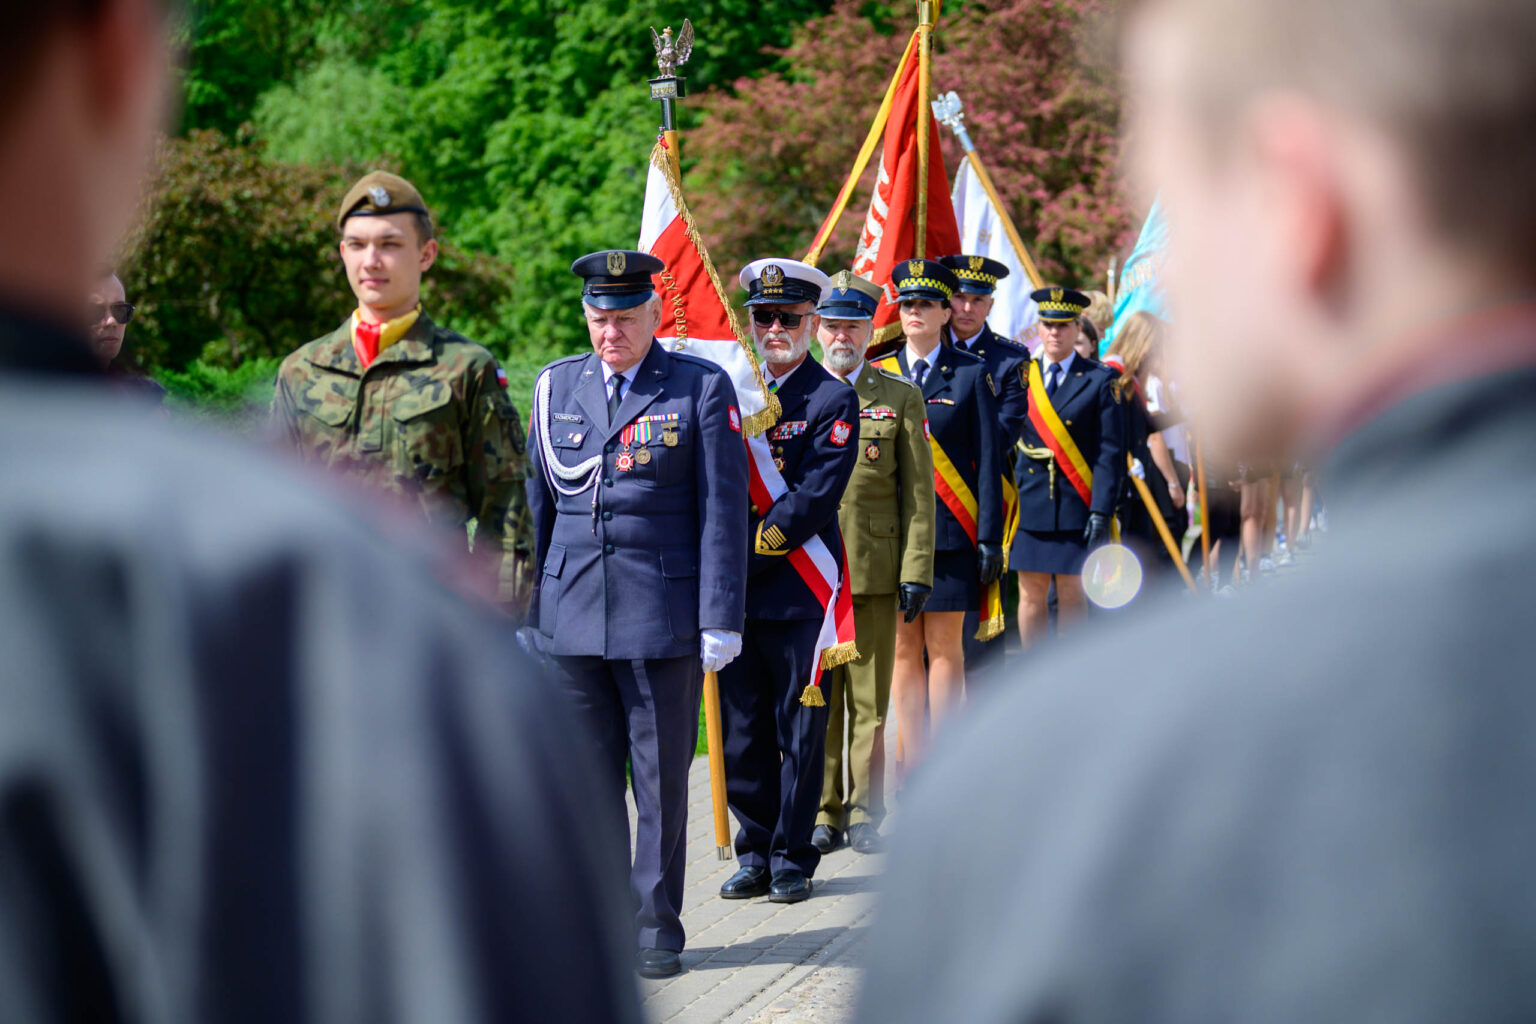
{"x": 872, "y": 451}
{"x": 643, "y": 457}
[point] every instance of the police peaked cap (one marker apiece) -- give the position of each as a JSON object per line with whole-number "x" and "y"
{"x": 977, "y": 274}
{"x": 924, "y": 279}
{"x": 1060, "y": 305}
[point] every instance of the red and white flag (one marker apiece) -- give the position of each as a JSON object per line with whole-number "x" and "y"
{"x": 890, "y": 227}
{"x": 697, "y": 319}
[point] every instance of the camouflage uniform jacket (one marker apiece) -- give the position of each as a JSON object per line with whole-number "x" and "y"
{"x": 428, "y": 419}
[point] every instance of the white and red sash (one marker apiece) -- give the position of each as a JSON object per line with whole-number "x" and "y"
{"x": 824, "y": 572}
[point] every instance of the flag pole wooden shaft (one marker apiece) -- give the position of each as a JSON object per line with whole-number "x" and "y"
{"x": 1162, "y": 527}
{"x": 715, "y": 741}
{"x": 924, "y": 88}
{"x": 1002, "y": 211}
{"x": 1205, "y": 516}
{"x": 876, "y": 133}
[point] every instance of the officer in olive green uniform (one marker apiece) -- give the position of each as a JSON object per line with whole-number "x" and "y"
{"x": 406, "y": 406}
{"x": 887, "y": 522}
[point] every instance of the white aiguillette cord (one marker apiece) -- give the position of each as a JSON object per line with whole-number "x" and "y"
{"x": 557, "y": 473}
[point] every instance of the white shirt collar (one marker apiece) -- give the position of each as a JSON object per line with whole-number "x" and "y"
{"x": 772, "y": 377}
{"x": 930, "y": 358}
{"x": 968, "y": 342}
{"x": 1066, "y": 366}
{"x": 853, "y": 377}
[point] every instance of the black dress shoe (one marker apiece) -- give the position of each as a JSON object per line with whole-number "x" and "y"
{"x": 864, "y": 838}
{"x": 657, "y": 963}
{"x": 789, "y": 886}
{"x": 745, "y": 884}
{"x": 826, "y": 838}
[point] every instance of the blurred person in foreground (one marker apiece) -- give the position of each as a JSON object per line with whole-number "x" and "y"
{"x": 255, "y": 764}
{"x": 107, "y": 315}
{"x": 1343, "y": 833}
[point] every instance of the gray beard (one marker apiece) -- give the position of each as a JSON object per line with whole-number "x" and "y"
{"x": 841, "y": 364}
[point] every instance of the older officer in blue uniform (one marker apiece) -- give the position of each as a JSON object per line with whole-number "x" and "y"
{"x": 638, "y": 493}
{"x": 1057, "y": 526}
{"x": 775, "y": 744}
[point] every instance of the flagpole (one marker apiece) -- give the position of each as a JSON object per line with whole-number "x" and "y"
{"x": 925, "y": 17}
{"x": 1205, "y": 515}
{"x": 876, "y": 129}
{"x": 951, "y": 112}
{"x": 668, "y": 88}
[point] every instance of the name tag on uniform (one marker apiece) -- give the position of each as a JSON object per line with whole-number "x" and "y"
{"x": 785, "y": 431}
{"x": 878, "y": 412}
{"x": 565, "y": 417}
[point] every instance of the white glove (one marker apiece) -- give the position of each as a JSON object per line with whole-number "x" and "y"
{"x": 718, "y": 648}
{"x": 1137, "y": 471}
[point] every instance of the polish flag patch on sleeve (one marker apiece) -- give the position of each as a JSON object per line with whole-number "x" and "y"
{"x": 840, "y": 433}
{"x": 735, "y": 419}
{"x": 501, "y": 376}
{"x": 928, "y": 434}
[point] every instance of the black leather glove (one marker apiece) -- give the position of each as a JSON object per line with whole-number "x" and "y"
{"x": 1097, "y": 530}
{"x": 910, "y": 599}
{"x": 989, "y": 559}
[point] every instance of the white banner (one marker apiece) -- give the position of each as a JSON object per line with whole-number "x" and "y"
{"x": 982, "y": 234}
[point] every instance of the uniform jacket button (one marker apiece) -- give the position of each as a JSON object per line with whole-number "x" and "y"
{"x": 608, "y": 481}
{"x": 607, "y": 549}
{"x": 607, "y": 515}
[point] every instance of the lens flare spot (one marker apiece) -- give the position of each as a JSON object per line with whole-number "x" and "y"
{"x": 1112, "y": 576}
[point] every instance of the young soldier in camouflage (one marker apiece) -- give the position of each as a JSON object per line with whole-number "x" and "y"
{"x": 406, "y": 406}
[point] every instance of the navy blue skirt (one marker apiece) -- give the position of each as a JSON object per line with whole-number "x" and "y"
{"x": 1059, "y": 552}
{"x": 956, "y": 582}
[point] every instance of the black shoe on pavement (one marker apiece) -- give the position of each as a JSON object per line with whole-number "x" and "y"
{"x": 657, "y": 963}
{"x": 745, "y": 884}
{"x": 789, "y": 886}
{"x": 864, "y": 838}
{"x": 826, "y": 839}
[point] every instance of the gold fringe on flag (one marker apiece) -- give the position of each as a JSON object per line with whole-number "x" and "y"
{"x": 812, "y": 697}
{"x": 839, "y": 654}
{"x": 758, "y": 421}
{"x": 991, "y": 628}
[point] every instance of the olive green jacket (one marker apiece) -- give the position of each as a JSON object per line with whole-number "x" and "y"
{"x": 887, "y": 511}
{"x": 430, "y": 420}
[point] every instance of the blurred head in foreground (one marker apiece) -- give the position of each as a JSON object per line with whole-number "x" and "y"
{"x": 1343, "y": 182}
{"x": 82, "y": 95}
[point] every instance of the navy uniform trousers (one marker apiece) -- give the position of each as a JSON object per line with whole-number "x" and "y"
{"x": 775, "y": 747}
{"x": 632, "y": 566}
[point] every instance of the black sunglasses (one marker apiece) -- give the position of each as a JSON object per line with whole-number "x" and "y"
{"x": 766, "y": 317}
{"x": 122, "y": 312}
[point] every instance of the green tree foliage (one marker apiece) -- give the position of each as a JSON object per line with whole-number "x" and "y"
{"x": 773, "y": 152}
{"x": 527, "y": 126}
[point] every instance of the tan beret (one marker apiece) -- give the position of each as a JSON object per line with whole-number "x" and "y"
{"x": 380, "y": 192}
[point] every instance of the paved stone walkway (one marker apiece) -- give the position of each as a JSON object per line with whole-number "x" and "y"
{"x": 756, "y": 962}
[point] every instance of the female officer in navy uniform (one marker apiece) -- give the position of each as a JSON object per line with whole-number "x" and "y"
{"x": 1057, "y": 527}
{"x": 968, "y": 535}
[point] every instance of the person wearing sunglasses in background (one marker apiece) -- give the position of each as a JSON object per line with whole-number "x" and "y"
{"x": 108, "y": 313}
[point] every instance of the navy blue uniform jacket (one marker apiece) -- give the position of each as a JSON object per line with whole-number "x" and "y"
{"x": 962, "y": 418}
{"x": 663, "y": 552}
{"x": 815, "y": 443}
{"x": 1004, "y": 360}
{"x": 1086, "y": 403}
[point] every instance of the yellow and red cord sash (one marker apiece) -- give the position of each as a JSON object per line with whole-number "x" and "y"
{"x": 957, "y": 496}
{"x": 1042, "y": 416}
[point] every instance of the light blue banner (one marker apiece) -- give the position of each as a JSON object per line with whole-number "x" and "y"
{"x": 1141, "y": 282}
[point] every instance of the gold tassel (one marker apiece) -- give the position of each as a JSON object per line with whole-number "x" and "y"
{"x": 839, "y": 654}
{"x": 812, "y": 698}
{"x": 990, "y": 629}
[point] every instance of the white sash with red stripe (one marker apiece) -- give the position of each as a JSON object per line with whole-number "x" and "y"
{"x": 825, "y": 573}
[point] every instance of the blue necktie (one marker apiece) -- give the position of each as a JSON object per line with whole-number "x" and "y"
{"x": 919, "y": 371}
{"x": 1050, "y": 389}
{"x": 615, "y": 397}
